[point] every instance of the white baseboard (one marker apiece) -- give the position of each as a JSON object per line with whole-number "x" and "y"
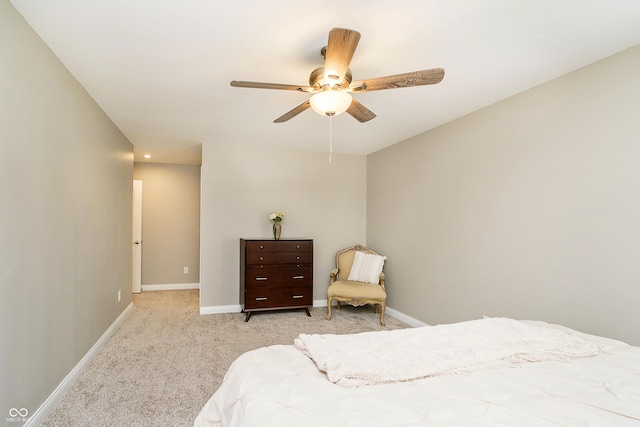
{"x": 390, "y": 311}
{"x": 41, "y": 413}
{"x": 405, "y": 318}
{"x": 170, "y": 287}
{"x": 217, "y": 309}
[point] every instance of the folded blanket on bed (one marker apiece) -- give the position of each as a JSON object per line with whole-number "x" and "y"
{"x": 407, "y": 354}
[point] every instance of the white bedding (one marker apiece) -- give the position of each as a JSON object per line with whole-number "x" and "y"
{"x": 280, "y": 386}
{"x": 407, "y": 354}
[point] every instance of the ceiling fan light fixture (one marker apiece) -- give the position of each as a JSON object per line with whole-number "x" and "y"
{"x": 330, "y": 102}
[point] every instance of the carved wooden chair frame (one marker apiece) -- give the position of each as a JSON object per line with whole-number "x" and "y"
{"x": 354, "y": 301}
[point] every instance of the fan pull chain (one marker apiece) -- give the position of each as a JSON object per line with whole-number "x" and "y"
{"x": 330, "y": 137}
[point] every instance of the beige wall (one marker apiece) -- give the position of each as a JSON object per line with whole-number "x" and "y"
{"x": 65, "y": 218}
{"x": 170, "y": 222}
{"x": 528, "y": 208}
{"x": 241, "y": 187}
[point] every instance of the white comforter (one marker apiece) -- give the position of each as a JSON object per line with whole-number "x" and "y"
{"x": 408, "y": 354}
{"x": 280, "y": 386}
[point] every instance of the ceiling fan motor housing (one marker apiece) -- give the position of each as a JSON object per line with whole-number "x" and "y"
{"x": 318, "y": 80}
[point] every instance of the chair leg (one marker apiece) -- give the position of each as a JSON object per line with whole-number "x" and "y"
{"x": 382, "y": 306}
{"x": 329, "y": 308}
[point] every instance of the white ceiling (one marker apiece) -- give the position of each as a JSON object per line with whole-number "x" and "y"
{"x": 161, "y": 68}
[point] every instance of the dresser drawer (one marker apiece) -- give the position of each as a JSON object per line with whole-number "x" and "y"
{"x": 278, "y": 258}
{"x": 278, "y": 297}
{"x": 279, "y": 246}
{"x": 278, "y": 277}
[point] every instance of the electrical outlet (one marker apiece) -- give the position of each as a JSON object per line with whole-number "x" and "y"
{"x": 119, "y": 295}
{"x": 186, "y": 270}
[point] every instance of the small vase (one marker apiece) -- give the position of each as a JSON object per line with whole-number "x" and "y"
{"x": 277, "y": 228}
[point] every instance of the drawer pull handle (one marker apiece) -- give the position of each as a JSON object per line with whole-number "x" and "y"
{"x": 261, "y": 258}
{"x": 261, "y": 298}
{"x": 297, "y": 257}
{"x": 297, "y": 296}
{"x": 261, "y": 247}
{"x": 261, "y": 278}
{"x": 298, "y": 277}
{"x": 298, "y": 246}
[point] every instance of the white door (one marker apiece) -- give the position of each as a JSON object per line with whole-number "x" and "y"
{"x": 136, "y": 240}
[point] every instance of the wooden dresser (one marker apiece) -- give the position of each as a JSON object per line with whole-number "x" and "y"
{"x": 276, "y": 274}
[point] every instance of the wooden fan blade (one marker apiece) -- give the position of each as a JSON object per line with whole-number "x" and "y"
{"x": 360, "y": 112}
{"x": 261, "y": 85}
{"x": 291, "y": 114}
{"x": 414, "y": 78}
{"x": 340, "y": 49}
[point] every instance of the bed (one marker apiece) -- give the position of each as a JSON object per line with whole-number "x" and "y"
{"x": 529, "y": 374}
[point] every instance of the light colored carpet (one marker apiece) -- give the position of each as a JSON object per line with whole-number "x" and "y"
{"x": 166, "y": 360}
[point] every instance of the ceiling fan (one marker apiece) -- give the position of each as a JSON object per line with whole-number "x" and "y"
{"x": 332, "y": 84}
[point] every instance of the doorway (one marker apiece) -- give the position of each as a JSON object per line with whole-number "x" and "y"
{"x": 136, "y": 238}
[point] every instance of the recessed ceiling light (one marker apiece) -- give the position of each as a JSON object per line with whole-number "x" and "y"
{"x": 147, "y": 156}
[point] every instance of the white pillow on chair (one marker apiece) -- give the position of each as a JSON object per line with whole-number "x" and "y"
{"x": 366, "y": 268}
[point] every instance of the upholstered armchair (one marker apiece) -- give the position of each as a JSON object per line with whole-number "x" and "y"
{"x": 357, "y": 280}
